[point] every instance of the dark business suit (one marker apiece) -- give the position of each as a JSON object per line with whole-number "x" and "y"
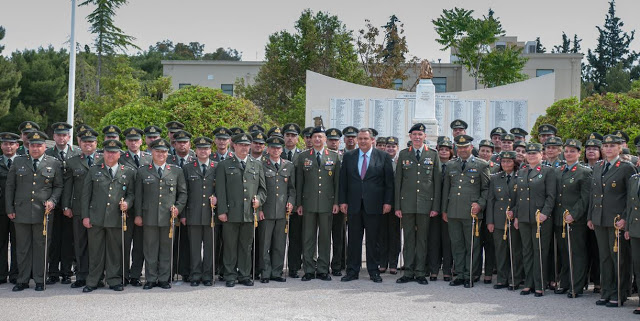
{"x": 365, "y": 199}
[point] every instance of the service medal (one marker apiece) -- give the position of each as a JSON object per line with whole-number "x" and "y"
{"x": 613, "y": 184}
{"x": 330, "y": 173}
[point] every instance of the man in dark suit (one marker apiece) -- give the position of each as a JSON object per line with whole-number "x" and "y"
{"x": 366, "y": 192}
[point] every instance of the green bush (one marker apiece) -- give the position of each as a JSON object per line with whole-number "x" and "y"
{"x": 140, "y": 113}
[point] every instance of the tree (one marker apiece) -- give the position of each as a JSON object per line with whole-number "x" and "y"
{"x": 109, "y": 38}
{"x": 467, "y": 37}
{"x": 320, "y": 43}
{"x": 9, "y": 80}
{"x": 223, "y": 54}
{"x": 618, "y": 79}
{"x": 539, "y": 47}
{"x": 612, "y": 49}
{"x": 502, "y": 67}
{"x": 566, "y": 47}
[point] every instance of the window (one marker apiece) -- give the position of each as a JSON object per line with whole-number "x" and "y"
{"x": 501, "y": 45}
{"x": 542, "y": 72}
{"x": 440, "y": 83}
{"x": 180, "y": 86}
{"x": 227, "y": 89}
{"x": 397, "y": 84}
{"x": 532, "y": 49}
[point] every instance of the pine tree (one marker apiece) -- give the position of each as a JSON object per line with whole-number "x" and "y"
{"x": 9, "y": 80}
{"x": 539, "y": 47}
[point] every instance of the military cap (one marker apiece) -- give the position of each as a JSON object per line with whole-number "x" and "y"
{"x": 28, "y": 126}
{"x": 547, "y": 129}
{"x": 622, "y": 135}
{"x": 275, "y": 131}
{"x": 534, "y": 148}
{"x": 595, "y": 135}
{"x": 553, "y": 141}
{"x": 381, "y": 140}
{"x": 307, "y": 131}
{"x": 111, "y": 131}
{"x": 374, "y": 131}
{"x": 508, "y": 155}
{"x": 83, "y": 127}
{"x": 37, "y": 137}
{"x": 182, "y": 136}
{"x": 519, "y": 144}
{"x": 222, "y": 132}
{"x": 291, "y": 128}
{"x": 61, "y": 128}
{"x": 9, "y": 137}
{"x": 133, "y": 133}
{"x": 392, "y": 140}
{"x": 518, "y": 132}
{"x": 445, "y": 142}
{"x": 174, "y": 126}
{"x": 497, "y": 131}
{"x": 203, "y": 142}
{"x": 112, "y": 145}
{"x": 463, "y": 140}
{"x": 258, "y": 137}
{"x": 626, "y": 151}
{"x": 333, "y": 133}
{"x": 458, "y": 123}
{"x": 508, "y": 137}
{"x": 255, "y": 128}
{"x": 350, "y": 131}
{"x": 573, "y": 143}
{"x": 236, "y": 130}
{"x": 418, "y": 127}
{"x": 593, "y": 143}
{"x": 159, "y": 144}
{"x": 317, "y": 129}
{"x": 152, "y": 131}
{"x": 241, "y": 138}
{"x": 612, "y": 139}
{"x": 88, "y": 135}
{"x": 636, "y": 141}
{"x": 275, "y": 141}
{"x": 486, "y": 143}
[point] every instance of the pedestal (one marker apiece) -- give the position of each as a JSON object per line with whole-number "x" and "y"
{"x": 425, "y": 110}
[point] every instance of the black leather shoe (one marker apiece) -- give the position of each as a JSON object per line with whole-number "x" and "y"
{"x": 246, "y": 282}
{"x": 278, "y": 279}
{"x": 422, "y": 280}
{"x": 376, "y": 278}
{"x": 78, "y": 284}
{"x": 52, "y": 280}
{"x": 88, "y": 289}
{"x": 135, "y": 282}
{"x": 20, "y": 286}
{"x": 433, "y": 278}
{"x": 636, "y": 311}
{"x": 164, "y": 285}
{"x": 264, "y": 280}
{"x": 538, "y": 294}
{"x": 570, "y": 296}
{"x": 117, "y": 288}
{"x": 195, "y": 283}
{"x": 467, "y": 284}
{"x": 39, "y": 286}
{"x": 456, "y": 282}
{"x": 513, "y": 288}
{"x": 207, "y": 283}
{"x": 349, "y": 277}
{"x": 613, "y": 304}
{"x": 560, "y": 291}
{"x": 525, "y": 292}
{"x": 336, "y": 273}
{"x": 500, "y": 286}
{"x": 230, "y": 284}
{"x": 447, "y": 278}
{"x": 307, "y": 277}
{"x": 324, "y": 277}
{"x": 602, "y": 302}
{"x": 65, "y": 279}
{"x": 100, "y": 284}
{"x": 405, "y": 279}
{"x": 149, "y": 285}
{"x": 293, "y": 275}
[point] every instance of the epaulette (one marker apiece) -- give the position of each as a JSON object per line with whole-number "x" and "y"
{"x": 481, "y": 161}
{"x": 284, "y": 161}
{"x": 600, "y": 161}
{"x": 495, "y": 174}
{"x": 126, "y": 166}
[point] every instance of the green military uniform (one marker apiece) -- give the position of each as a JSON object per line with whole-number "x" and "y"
{"x": 280, "y": 182}
{"x": 102, "y": 190}
{"x": 632, "y": 225}
{"x": 294, "y": 255}
{"x": 389, "y": 240}
{"x": 465, "y": 183}
{"x": 501, "y": 192}
{"x": 338, "y": 223}
{"x": 236, "y": 186}
{"x": 439, "y": 244}
{"x": 535, "y": 190}
{"x": 418, "y": 182}
{"x": 158, "y": 189}
{"x": 608, "y": 199}
{"x": 31, "y": 183}
{"x": 7, "y": 228}
{"x": 574, "y": 185}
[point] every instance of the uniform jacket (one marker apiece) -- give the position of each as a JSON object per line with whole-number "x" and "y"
{"x": 235, "y": 188}
{"x": 632, "y": 216}
{"x": 317, "y": 184}
{"x": 155, "y": 195}
{"x": 199, "y": 188}
{"x": 499, "y": 199}
{"x": 77, "y": 168}
{"x": 535, "y": 190}
{"x": 101, "y": 194}
{"x": 609, "y": 192}
{"x": 127, "y": 158}
{"x": 281, "y": 188}
{"x": 418, "y": 182}
{"x": 461, "y": 188}
{"x": 573, "y": 191}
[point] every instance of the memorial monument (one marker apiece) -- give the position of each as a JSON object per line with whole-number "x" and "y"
{"x": 425, "y": 106}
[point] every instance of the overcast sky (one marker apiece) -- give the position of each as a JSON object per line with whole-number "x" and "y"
{"x": 246, "y": 25}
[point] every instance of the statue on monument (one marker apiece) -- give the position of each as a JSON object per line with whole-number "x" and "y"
{"x": 425, "y": 70}
{"x": 317, "y": 121}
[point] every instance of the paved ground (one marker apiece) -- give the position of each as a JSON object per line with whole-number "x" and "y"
{"x": 297, "y": 300}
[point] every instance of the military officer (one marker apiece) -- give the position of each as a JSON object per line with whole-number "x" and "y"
{"x": 222, "y": 139}
{"x": 519, "y": 134}
{"x": 552, "y": 152}
{"x": 350, "y": 143}
{"x": 306, "y": 136}
{"x": 34, "y": 185}
{"x": 151, "y": 133}
{"x": 240, "y": 189}
{"x": 389, "y": 235}
{"x": 507, "y": 141}
{"x": 61, "y": 249}
{"x": 281, "y": 194}
{"x": 290, "y": 152}
{"x": 161, "y": 194}
{"x": 77, "y": 168}
{"x": 111, "y": 132}
{"x": 317, "y": 179}
{"x": 80, "y": 129}
{"x": 486, "y": 150}
{"x": 381, "y": 143}
{"x": 7, "y": 229}
{"x": 200, "y": 175}
{"x": 535, "y": 194}
{"x": 439, "y": 243}
{"x": 520, "y": 147}
{"x": 610, "y": 182}
{"x": 418, "y": 182}
{"x": 275, "y": 130}
{"x": 173, "y": 127}
{"x": 496, "y": 138}
{"x": 257, "y": 145}
{"x": 625, "y": 140}
{"x": 255, "y": 128}
{"x": 632, "y": 228}
{"x": 471, "y": 177}
{"x": 338, "y": 222}
{"x": 546, "y": 131}
{"x": 135, "y": 158}
{"x": 107, "y": 190}
{"x": 333, "y": 140}
{"x": 25, "y": 128}
{"x": 182, "y": 149}
{"x": 486, "y": 153}
{"x": 500, "y": 194}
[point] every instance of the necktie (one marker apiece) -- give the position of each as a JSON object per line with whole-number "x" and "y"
{"x": 318, "y": 158}
{"x": 363, "y": 170}
{"x": 243, "y": 164}
{"x": 35, "y": 165}
{"x": 277, "y": 166}
{"x": 160, "y": 171}
{"x": 204, "y": 169}
{"x": 221, "y": 157}
{"x": 181, "y": 161}
{"x": 417, "y": 154}
{"x": 9, "y": 162}
{"x": 137, "y": 160}
{"x": 606, "y": 168}
{"x": 111, "y": 172}
{"x": 89, "y": 161}
{"x": 566, "y": 169}
{"x": 62, "y": 155}
{"x": 508, "y": 179}
{"x": 289, "y": 156}
{"x": 464, "y": 164}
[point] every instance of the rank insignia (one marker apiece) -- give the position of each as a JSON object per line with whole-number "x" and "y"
{"x": 613, "y": 184}
{"x": 330, "y": 173}
{"x": 540, "y": 176}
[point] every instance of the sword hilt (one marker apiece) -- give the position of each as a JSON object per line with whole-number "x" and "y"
{"x": 615, "y": 241}
{"x": 506, "y": 224}
{"x": 538, "y": 223}
{"x": 124, "y": 217}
